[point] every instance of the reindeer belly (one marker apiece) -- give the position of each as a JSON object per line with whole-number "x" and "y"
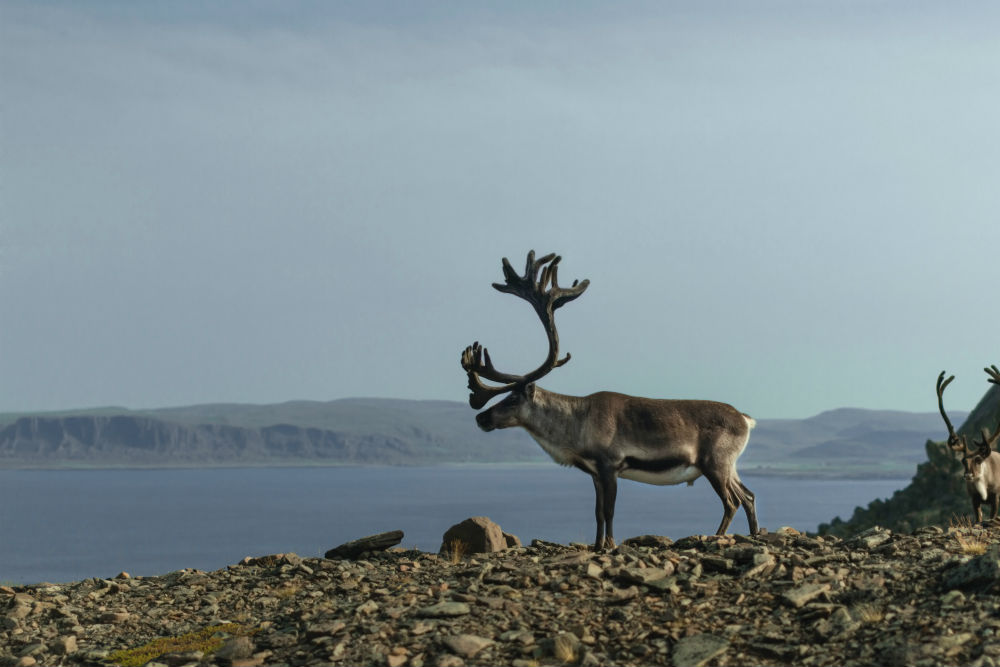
{"x": 663, "y": 477}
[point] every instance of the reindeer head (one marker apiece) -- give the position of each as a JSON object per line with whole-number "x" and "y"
{"x": 545, "y": 296}
{"x": 974, "y": 457}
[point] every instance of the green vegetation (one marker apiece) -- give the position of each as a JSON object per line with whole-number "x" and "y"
{"x": 207, "y": 640}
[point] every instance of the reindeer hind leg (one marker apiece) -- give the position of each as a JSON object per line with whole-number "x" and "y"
{"x": 749, "y": 506}
{"x": 730, "y": 501}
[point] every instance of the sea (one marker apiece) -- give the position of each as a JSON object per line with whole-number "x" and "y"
{"x": 67, "y": 525}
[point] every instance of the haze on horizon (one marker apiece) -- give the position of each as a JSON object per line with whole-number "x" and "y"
{"x": 787, "y": 206}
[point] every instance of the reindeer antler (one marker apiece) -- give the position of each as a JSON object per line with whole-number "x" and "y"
{"x": 989, "y": 441}
{"x": 545, "y": 295}
{"x": 954, "y": 440}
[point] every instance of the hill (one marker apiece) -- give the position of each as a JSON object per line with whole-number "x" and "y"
{"x": 839, "y": 443}
{"x": 936, "y": 495}
{"x": 846, "y": 442}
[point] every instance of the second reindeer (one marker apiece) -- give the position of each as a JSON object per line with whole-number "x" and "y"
{"x": 609, "y": 435}
{"x": 981, "y": 464}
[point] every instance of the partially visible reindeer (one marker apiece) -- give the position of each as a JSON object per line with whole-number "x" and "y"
{"x": 982, "y": 462}
{"x": 609, "y": 435}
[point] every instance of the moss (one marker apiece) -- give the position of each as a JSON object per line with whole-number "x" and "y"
{"x": 207, "y": 640}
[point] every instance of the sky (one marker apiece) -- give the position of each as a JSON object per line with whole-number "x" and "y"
{"x": 786, "y": 206}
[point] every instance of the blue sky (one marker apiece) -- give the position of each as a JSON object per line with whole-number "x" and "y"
{"x": 790, "y": 207}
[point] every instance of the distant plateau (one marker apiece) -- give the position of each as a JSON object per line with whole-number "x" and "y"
{"x": 847, "y": 442}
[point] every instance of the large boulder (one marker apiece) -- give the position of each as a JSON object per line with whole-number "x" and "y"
{"x": 477, "y": 534}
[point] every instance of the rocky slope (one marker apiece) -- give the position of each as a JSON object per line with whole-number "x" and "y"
{"x": 926, "y": 598}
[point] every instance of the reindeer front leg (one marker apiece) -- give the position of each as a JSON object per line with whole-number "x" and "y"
{"x": 606, "y": 487}
{"x": 977, "y": 509}
{"x": 598, "y": 512}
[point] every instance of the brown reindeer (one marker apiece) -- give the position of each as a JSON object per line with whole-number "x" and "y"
{"x": 609, "y": 435}
{"x": 981, "y": 463}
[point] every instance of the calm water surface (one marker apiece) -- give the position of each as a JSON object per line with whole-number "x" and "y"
{"x": 66, "y": 525}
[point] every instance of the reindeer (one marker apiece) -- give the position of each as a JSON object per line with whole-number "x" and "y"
{"x": 609, "y": 435}
{"x": 981, "y": 463}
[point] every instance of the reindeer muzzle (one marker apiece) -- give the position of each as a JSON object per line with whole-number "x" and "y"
{"x": 484, "y": 421}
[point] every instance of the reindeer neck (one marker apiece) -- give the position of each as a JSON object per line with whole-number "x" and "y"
{"x": 553, "y": 415}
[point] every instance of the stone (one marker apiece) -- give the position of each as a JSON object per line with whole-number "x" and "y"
{"x": 64, "y": 645}
{"x": 366, "y": 607}
{"x": 513, "y": 541}
{"x": 444, "y": 610}
{"x": 377, "y": 542}
{"x": 182, "y": 658}
{"x": 235, "y": 648}
{"x": 656, "y": 541}
{"x": 114, "y": 617}
{"x": 800, "y": 595}
{"x": 871, "y": 538}
{"x": 478, "y": 534}
{"x": 697, "y": 650}
{"x": 623, "y": 595}
{"x": 466, "y": 646}
{"x": 642, "y": 575}
{"x": 980, "y": 573}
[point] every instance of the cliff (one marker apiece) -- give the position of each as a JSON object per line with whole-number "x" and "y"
{"x": 143, "y": 440}
{"x": 936, "y": 495}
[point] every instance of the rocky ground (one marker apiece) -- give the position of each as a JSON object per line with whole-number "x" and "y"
{"x": 782, "y": 598}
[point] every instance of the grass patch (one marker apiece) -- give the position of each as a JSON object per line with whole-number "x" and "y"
{"x": 207, "y": 640}
{"x": 970, "y": 537}
{"x": 286, "y": 591}
{"x": 868, "y": 613}
{"x": 564, "y": 648}
{"x": 455, "y": 551}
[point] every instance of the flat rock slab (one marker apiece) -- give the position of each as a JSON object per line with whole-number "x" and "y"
{"x": 466, "y": 646}
{"x": 799, "y": 596}
{"x": 379, "y": 542}
{"x": 444, "y": 610}
{"x": 697, "y": 650}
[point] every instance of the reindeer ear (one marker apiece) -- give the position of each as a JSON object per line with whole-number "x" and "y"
{"x": 529, "y": 390}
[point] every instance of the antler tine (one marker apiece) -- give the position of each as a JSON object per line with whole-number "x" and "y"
{"x": 954, "y": 441}
{"x": 472, "y": 362}
{"x": 994, "y": 374}
{"x": 476, "y": 359}
{"x": 989, "y": 441}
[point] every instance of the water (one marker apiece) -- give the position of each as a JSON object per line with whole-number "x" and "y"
{"x": 66, "y": 525}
